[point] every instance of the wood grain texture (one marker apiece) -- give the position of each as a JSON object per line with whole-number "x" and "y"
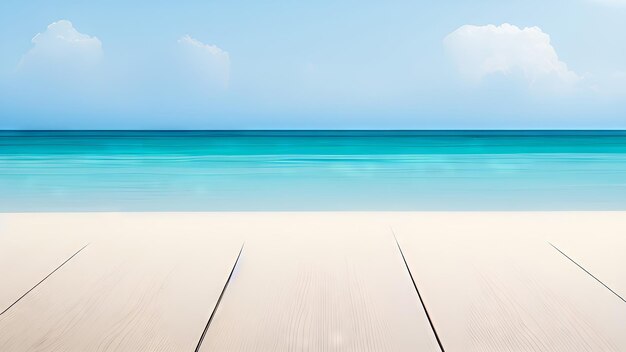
{"x": 598, "y": 244}
{"x": 148, "y": 284}
{"x": 313, "y": 281}
{"x": 31, "y": 249}
{"x": 491, "y": 282}
{"x": 321, "y": 282}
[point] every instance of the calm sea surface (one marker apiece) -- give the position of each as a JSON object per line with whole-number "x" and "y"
{"x": 312, "y": 170}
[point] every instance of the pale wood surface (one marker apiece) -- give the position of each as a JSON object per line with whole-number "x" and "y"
{"x": 150, "y": 284}
{"x": 313, "y": 281}
{"x": 30, "y": 250}
{"x": 492, "y": 283}
{"x": 598, "y": 244}
{"x": 334, "y": 282}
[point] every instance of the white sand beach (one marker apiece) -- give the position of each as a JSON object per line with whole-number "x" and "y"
{"x": 327, "y": 281}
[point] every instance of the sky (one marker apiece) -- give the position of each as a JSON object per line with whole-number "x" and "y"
{"x": 485, "y": 64}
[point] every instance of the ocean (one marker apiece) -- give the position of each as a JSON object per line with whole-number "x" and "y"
{"x": 311, "y": 170}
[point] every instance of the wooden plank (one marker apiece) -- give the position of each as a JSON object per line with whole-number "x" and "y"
{"x": 491, "y": 282}
{"x": 320, "y": 282}
{"x": 32, "y": 247}
{"x": 149, "y": 284}
{"x": 598, "y": 244}
{"x": 329, "y": 281}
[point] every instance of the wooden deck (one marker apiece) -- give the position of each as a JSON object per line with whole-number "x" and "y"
{"x": 546, "y": 281}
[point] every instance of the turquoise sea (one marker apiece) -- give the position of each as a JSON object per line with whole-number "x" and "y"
{"x": 312, "y": 170}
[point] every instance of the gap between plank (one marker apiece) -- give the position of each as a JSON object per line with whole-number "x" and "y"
{"x": 42, "y": 280}
{"x": 585, "y": 270}
{"x": 206, "y": 328}
{"x": 432, "y": 326}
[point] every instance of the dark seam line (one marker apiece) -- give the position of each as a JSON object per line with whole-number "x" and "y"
{"x": 432, "y": 326}
{"x": 206, "y": 328}
{"x": 585, "y": 270}
{"x": 42, "y": 280}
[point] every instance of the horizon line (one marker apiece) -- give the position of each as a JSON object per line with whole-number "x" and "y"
{"x": 327, "y": 130}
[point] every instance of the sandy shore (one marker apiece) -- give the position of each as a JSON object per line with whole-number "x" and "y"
{"x": 336, "y": 281}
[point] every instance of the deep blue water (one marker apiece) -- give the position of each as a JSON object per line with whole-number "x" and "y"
{"x": 312, "y": 170}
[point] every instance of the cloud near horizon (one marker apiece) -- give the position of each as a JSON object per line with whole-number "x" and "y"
{"x": 60, "y": 50}
{"x": 482, "y": 51}
{"x": 208, "y": 64}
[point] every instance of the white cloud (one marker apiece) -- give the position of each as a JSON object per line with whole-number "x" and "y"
{"x": 61, "y": 47}
{"x": 481, "y": 51}
{"x": 204, "y": 61}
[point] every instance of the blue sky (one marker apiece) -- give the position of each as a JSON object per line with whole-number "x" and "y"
{"x": 316, "y": 64}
